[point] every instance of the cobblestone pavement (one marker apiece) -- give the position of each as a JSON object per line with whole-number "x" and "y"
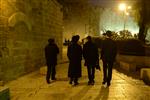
{"x": 34, "y": 87}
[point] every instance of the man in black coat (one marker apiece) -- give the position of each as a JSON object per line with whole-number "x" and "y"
{"x": 74, "y": 54}
{"x": 108, "y": 54}
{"x": 91, "y": 56}
{"x": 51, "y": 51}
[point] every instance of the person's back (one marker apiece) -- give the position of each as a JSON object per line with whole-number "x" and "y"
{"x": 51, "y": 51}
{"x": 108, "y": 54}
{"x": 109, "y": 49}
{"x": 74, "y": 54}
{"x": 90, "y": 52}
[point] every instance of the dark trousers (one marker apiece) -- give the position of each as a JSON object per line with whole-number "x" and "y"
{"x": 107, "y": 71}
{"x": 51, "y": 72}
{"x": 91, "y": 73}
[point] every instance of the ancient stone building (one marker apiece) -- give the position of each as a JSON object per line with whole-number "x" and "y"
{"x": 25, "y": 26}
{"x": 81, "y": 18}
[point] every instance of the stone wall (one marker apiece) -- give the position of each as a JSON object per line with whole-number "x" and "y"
{"x": 81, "y": 19}
{"x": 75, "y": 20}
{"x": 25, "y": 26}
{"x": 94, "y": 19}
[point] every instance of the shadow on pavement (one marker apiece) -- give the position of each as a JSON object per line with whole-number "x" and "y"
{"x": 81, "y": 93}
{"x": 103, "y": 94}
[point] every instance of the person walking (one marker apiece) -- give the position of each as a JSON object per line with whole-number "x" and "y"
{"x": 51, "y": 52}
{"x": 74, "y": 54}
{"x": 108, "y": 54}
{"x": 91, "y": 56}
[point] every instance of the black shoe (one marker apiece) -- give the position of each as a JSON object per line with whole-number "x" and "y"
{"x": 53, "y": 78}
{"x": 76, "y": 83}
{"x": 70, "y": 82}
{"x": 48, "y": 82}
{"x": 92, "y": 83}
{"x": 89, "y": 82}
{"x": 108, "y": 84}
{"x": 103, "y": 82}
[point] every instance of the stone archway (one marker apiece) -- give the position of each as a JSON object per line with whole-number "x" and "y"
{"x": 19, "y": 17}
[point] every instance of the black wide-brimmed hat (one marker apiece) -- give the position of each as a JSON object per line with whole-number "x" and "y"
{"x": 108, "y": 33}
{"x": 51, "y": 40}
{"x": 89, "y": 38}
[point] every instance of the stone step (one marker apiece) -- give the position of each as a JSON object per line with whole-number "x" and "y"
{"x": 128, "y": 66}
{"x": 4, "y": 93}
{"x": 145, "y": 75}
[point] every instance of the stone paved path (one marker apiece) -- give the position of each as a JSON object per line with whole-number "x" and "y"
{"x": 34, "y": 87}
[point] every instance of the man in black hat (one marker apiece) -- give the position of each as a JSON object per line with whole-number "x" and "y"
{"x": 74, "y": 54}
{"x": 108, "y": 54}
{"x": 51, "y": 51}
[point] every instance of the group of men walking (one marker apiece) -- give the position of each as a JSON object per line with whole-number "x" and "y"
{"x": 89, "y": 52}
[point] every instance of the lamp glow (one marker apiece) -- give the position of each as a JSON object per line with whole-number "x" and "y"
{"x": 127, "y": 13}
{"x": 122, "y": 7}
{"x": 129, "y": 7}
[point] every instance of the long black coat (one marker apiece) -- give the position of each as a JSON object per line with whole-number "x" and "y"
{"x": 51, "y": 51}
{"x": 109, "y": 50}
{"x": 90, "y": 54}
{"x": 74, "y": 54}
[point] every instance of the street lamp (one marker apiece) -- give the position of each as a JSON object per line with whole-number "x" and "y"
{"x": 124, "y": 8}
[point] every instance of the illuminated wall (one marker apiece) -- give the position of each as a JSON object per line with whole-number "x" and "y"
{"x": 75, "y": 20}
{"x": 82, "y": 20}
{"x": 25, "y": 27}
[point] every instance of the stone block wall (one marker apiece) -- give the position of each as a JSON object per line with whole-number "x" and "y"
{"x": 94, "y": 19}
{"x": 25, "y": 27}
{"x": 81, "y": 19}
